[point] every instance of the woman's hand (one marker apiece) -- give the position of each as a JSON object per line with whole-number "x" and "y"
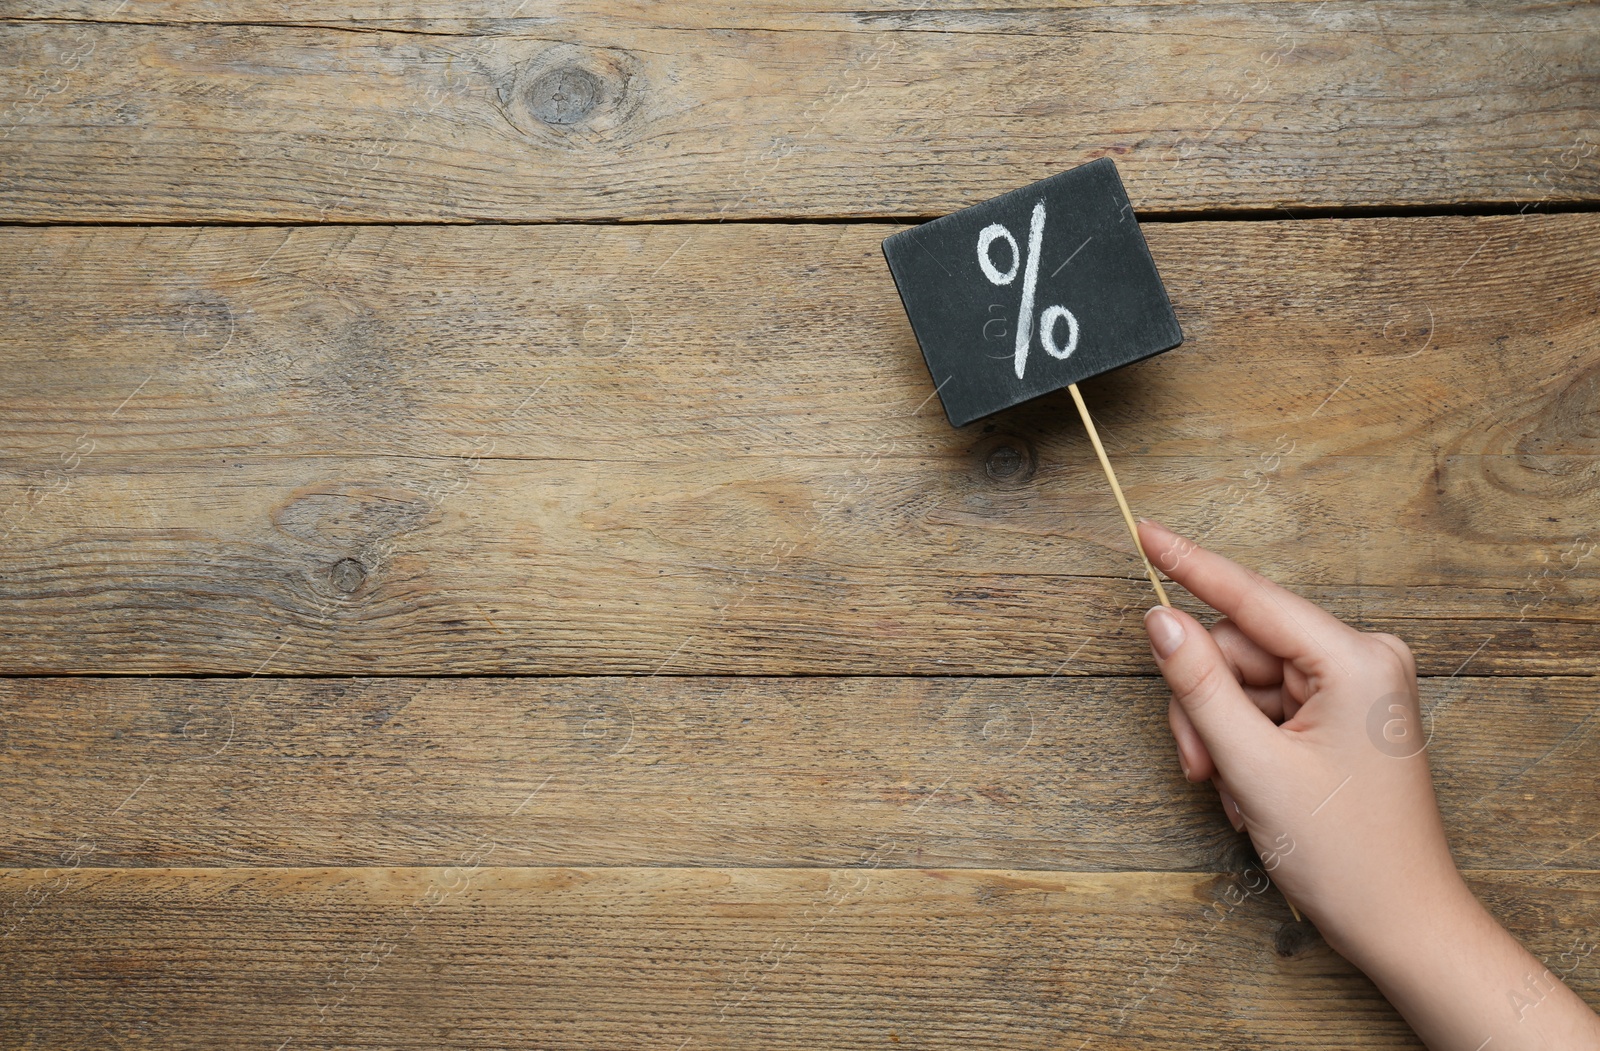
{"x": 1311, "y": 733}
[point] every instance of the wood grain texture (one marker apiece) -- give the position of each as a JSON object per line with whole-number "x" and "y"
{"x": 580, "y": 450}
{"x": 483, "y": 956}
{"x": 714, "y": 111}
{"x": 1063, "y": 774}
{"x": 463, "y": 15}
{"x": 680, "y": 493}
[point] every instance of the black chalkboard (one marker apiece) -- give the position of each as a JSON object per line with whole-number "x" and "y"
{"x": 1038, "y": 288}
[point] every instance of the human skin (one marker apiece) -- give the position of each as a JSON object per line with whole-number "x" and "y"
{"x": 1310, "y": 732}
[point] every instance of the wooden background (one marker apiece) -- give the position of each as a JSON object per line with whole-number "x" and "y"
{"x": 482, "y": 568}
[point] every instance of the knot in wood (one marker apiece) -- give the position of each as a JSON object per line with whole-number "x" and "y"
{"x": 568, "y": 96}
{"x": 1004, "y": 462}
{"x": 347, "y": 575}
{"x": 1008, "y": 461}
{"x": 1294, "y": 939}
{"x": 565, "y": 95}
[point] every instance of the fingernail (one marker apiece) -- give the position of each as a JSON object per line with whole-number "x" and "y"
{"x": 1166, "y": 631}
{"x": 1184, "y": 765}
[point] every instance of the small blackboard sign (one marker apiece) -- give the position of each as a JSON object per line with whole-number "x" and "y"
{"x": 1032, "y": 291}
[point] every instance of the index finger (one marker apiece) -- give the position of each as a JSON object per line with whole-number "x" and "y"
{"x": 1281, "y": 622}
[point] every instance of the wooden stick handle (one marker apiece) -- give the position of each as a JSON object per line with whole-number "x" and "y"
{"x": 1127, "y": 516}
{"x": 1116, "y": 490}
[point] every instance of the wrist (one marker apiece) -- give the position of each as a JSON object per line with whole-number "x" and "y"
{"x": 1462, "y": 981}
{"x": 1396, "y": 935}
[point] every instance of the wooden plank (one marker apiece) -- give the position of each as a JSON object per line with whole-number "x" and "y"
{"x": 476, "y": 956}
{"x": 463, "y": 15}
{"x": 579, "y": 450}
{"x": 705, "y": 111}
{"x": 632, "y": 449}
{"x": 1061, "y": 774}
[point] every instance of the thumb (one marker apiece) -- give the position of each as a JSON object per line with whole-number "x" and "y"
{"x": 1236, "y": 732}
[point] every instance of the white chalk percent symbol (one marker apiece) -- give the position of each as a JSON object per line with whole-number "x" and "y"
{"x": 1029, "y": 266}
